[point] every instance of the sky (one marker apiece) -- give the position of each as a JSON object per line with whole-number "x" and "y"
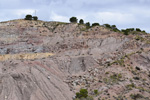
{"x": 122, "y": 13}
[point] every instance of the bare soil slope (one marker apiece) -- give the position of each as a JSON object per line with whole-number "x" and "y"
{"x": 54, "y": 60}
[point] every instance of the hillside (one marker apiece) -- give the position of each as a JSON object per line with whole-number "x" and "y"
{"x": 54, "y": 60}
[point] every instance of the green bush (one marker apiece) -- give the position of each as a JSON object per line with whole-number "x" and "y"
{"x": 130, "y": 29}
{"x": 113, "y": 26}
{"x": 87, "y": 24}
{"x": 35, "y": 18}
{"x": 28, "y": 17}
{"x": 143, "y": 31}
{"x": 107, "y": 25}
{"x": 130, "y": 86}
{"x": 136, "y": 96}
{"x": 139, "y": 38}
{"x": 125, "y": 32}
{"x": 73, "y": 20}
{"x": 82, "y": 93}
{"x": 81, "y": 21}
{"x": 116, "y": 30}
{"x": 95, "y": 24}
{"x": 137, "y": 29}
{"x": 95, "y": 92}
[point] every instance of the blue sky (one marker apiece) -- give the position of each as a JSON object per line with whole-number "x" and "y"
{"x": 122, "y": 13}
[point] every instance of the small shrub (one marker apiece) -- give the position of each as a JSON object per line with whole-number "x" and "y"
{"x": 136, "y": 78}
{"x": 82, "y": 93}
{"x": 73, "y": 20}
{"x": 137, "y": 68}
{"x": 105, "y": 80}
{"x": 116, "y": 30}
{"x": 81, "y": 21}
{"x": 108, "y": 64}
{"x": 28, "y": 17}
{"x": 139, "y": 38}
{"x": 119, "y": 76}
{"x": 130, "y": 29}
{"x": 125, "y": 32}
{"x": 130, "y": 86}
{"x": 87, "y": 24}
{"x": 95, "y": 24}
{"x": 113, "y": 26}
{"x": 120, "y": 62}
{"x": 107, "y": 25}
{"x": 136, "y": 96}
{"x": 115, "y": 77}
{"x": 137, "y": 29}
{"x": 95, "y": 92}
{"x": 143, "y": 31}
{"x": 35, "y": 18}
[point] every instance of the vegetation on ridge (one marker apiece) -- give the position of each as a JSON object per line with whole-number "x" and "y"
{"x": 29, "y": 17}
{"x": 83, "y": 95}
{"x": 111, "y": 27}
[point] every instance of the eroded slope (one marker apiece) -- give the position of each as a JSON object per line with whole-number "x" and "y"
{"x": 97, "y": 59}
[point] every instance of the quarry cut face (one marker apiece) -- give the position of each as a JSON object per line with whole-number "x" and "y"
{"x": 54, "y": 60}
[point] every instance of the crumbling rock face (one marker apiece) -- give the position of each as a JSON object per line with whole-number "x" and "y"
{"x": 31, "y": 81}
{"x": 81, "y": 64}
{"x": 54, "y": 60}
{"x": 142, "y": 60}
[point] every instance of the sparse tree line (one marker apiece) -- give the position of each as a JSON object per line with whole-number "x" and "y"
{"x": 132, "y": 30}
{"x": 87, "y": 24}
{"x": 112, "y": 27}
{"x": 81, "y": 21}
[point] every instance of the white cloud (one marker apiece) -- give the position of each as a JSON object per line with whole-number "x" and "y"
{"x": 140, "y": 12}
{"x": 9, "y": 1}
{"x": 56, "y": 17}
{"x": 6, "y": 4}
{"x": 115, "y": 17}
{"x": 144, "y": 1}
{"x": 21, "y": 12}
{"x": 39, "y": 1}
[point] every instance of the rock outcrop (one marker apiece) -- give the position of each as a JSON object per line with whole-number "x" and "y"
{"x": 54, "y": 60}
